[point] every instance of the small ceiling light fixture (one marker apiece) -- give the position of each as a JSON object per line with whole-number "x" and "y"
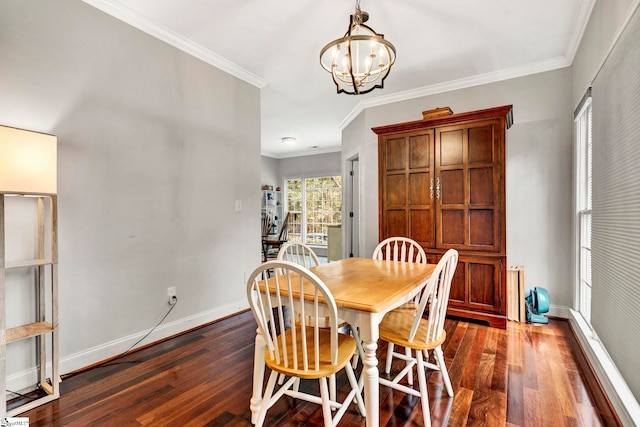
{"x": 289, "y": 140}
{"x": 361, "y": 60}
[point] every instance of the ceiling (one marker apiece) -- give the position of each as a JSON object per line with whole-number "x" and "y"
{"x": 441, "y": 45}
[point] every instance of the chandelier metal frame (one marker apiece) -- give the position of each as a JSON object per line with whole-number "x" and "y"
{"x": 360, "y": 61}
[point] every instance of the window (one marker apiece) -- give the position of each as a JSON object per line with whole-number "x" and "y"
{"x": 583, "y": 208}
{"x": 313, "y": 204}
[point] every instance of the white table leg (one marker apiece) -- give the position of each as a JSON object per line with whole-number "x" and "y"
{"x": 258, "y": 376}
{"x": 369, "y": 335}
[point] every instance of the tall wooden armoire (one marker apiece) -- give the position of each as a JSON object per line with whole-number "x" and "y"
{"x": 442, "y": 183}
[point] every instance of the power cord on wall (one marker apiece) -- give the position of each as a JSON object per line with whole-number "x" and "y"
{"x": 24, "y": 396}
{"x": 114, "y": 361}
{"x": 174, "y": 302}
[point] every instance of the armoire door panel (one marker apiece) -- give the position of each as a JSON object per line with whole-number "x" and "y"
{"x": 481, "y": 273}
{"x": 420, "y": 151}
{"x": 458, "y": 292}
{"x": 452, "y": 187}
{"x": 475, "y": 183}
{"x": 395, "y": 154}
{"x": 419, "y": 189}
{"x": 481, "y": 188}
{"x": 477, "y": 284}
{"x": 484, "y": 283}
{"x": 451, "y": 228}
{"x": 396, "y": 191}
{"x": 421, "y": 227}
{"x": 481, "y": 229}
{"x": 451, "y": 148}
{"x": 396, "y": 224}
{"x": 481, "y": 144}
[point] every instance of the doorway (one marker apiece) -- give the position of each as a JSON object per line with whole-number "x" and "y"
{"x": 353, "y": 208}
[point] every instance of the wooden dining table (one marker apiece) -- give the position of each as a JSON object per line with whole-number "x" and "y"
{"x": 364, "y": 290}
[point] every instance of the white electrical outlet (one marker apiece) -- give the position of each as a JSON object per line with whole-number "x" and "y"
{"x": 171, "y": 295}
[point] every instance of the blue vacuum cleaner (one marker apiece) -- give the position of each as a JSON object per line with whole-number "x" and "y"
{"x": 537, "y": 302}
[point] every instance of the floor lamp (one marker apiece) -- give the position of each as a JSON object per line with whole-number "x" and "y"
{"x": 28, "y": 168}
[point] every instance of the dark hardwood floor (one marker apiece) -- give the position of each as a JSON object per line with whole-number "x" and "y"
{"x": 525, "y": 376}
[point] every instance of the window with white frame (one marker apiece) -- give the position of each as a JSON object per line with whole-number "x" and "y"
{"x": 313, "y": 204}
{"x": 583, "y": 208}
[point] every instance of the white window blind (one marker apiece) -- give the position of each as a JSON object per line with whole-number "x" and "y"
{"x": 615, "y": 310}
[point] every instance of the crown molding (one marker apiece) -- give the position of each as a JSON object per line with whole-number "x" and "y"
{"x": 303, "y": 152}
{"x": 481, "y": 79}
{"x": 128, "y": 16}
{"x": 616, "y": 37}
{"x": 579, "y": 27}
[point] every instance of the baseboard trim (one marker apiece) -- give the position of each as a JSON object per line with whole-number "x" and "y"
{"x": 91, "y": 356}
{"x": 620, "y": 396}
{"x": 24, "y": 380}
{"x": 558, "y": 311}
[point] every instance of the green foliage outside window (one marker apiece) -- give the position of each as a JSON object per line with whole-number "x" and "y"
{"x": 313, "y": 204}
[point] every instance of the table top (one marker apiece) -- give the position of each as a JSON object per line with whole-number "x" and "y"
{"x": 370, "y": 285}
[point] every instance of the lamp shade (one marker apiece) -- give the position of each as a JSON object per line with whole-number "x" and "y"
{"x": 28, "y": 161}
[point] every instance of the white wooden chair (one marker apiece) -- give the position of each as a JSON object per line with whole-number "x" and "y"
{"x": 423, "y": 335}
{"x": 302, "y": 254}
{"x": 298, "y": 253}
{"x": 306, "y": 350}
{"x": 407, "y": 250}
{"x": 399, "y": 249}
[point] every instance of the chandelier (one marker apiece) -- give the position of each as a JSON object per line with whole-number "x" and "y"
{"x": 361, "y": 60}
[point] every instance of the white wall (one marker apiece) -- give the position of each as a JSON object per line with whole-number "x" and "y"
{"x": 538, "y": 170}
{"x": 155, "y": 147}
{"x": 275, "y": 171}
{"x": 269, "y": 168}
{"x": 309, "y": 166}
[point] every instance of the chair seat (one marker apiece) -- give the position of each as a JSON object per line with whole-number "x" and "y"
{"x": 273, "y": 241}
{"x": 323, "y": 322}
{"x": 395, "y": 328}
{"x": 408, "y": 307}
{"x": 346, "y": 349}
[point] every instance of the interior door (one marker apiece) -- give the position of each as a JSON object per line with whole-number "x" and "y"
{"x": 354, "y": 211}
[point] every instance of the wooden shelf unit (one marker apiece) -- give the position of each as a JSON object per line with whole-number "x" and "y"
{"x": 29, "y": 330}
{"x": 272, "y": 203}
{"x": 23, "y": 264}
{"x": 44, "y": 324}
